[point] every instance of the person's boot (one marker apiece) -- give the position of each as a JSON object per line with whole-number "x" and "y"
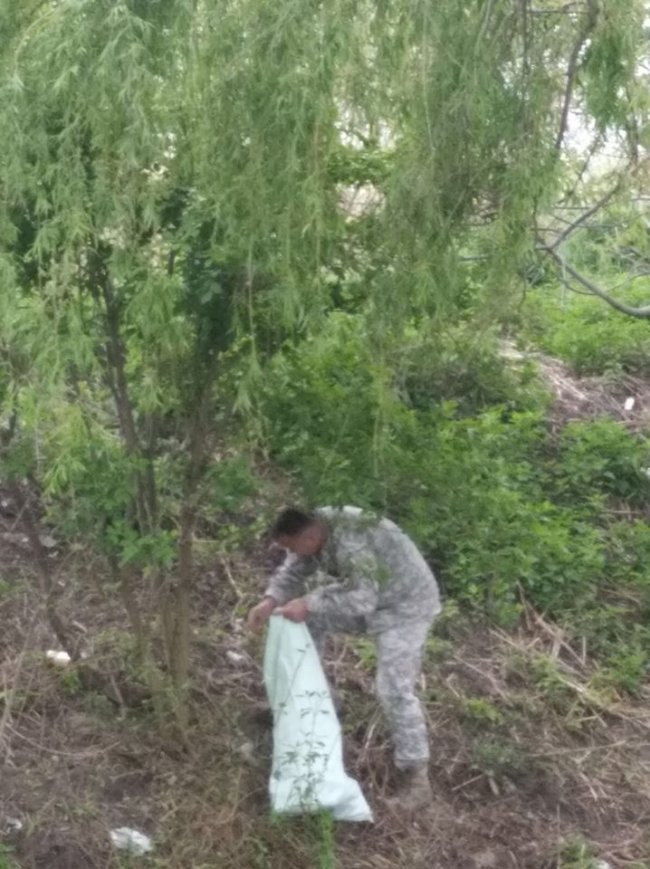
{"x": 413, "y": 790}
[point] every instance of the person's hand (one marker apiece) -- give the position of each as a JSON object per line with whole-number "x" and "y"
{"x": 260, "y": 614}
{"x": 296, "y": 610}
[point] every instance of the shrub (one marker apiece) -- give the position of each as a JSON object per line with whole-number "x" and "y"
{"x": 586, "y": 332}
{"x": 602, "y": 457}
{"x": 474, "y": 491}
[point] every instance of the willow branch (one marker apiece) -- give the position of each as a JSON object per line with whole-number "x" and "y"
{"x": 590, "y": 22}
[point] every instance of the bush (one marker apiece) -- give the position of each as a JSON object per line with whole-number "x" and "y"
{"x": 586, "y": 332}
{"x": 478, "y": 493}
{"x": 602, "y": 457}
{"x": 465, "y": 366}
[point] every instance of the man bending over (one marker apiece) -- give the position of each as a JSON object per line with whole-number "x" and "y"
{"x": 367, "y": 577}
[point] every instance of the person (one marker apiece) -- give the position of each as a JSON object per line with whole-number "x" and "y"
{"x": 349, "y": 571}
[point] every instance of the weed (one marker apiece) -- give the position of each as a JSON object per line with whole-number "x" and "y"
{"x": 625, "y": 670}
{"x": 366, "y": 652}
{"x": 324, "y": 841}
{"x": 497, "y": 757}
{"x": 480, "y": 711}
{"x": 549, "y": 681}
{"x": 577, "y": 853}
{"x": 6, "y": 858}
{"x": 71, "y": 683}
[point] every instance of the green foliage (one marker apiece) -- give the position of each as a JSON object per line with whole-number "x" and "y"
{"x": 6, "y": 858}
{"x": 71, "y": 683}
{"x": 496, "y": 757}
{"x": 500, "y": 506}
{"x": 231, "y": 481}
{"x": 587, "y": 333}
{"x": 608, "y": 62}
{"x": 172, "y": 231}
{"x": 463, "y": 365}
{"x": 601, "y": 457}
{"x": 577, "y": 853}
{"x": 548, "y": 679}
{"x": 625, "y": 669}
{"x": 480, "y": 712}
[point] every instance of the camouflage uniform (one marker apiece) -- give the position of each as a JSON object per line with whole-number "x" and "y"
{"x": 384, "y": 588}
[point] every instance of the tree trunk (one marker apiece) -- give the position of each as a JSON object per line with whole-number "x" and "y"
{"x": 46, "y": 585}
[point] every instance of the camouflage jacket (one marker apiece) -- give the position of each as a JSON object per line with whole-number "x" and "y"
{"x": 367, "y": 567}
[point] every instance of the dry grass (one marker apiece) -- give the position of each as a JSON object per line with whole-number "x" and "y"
{"x": 580, "y": 397}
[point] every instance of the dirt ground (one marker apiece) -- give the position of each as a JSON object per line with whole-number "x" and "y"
{"x": 531, "y": 766}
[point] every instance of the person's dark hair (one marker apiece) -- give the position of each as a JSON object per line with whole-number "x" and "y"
{"x": 290, "y": 522}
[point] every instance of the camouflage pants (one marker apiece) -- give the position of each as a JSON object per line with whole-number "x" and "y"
{"x": 399, "y": 660}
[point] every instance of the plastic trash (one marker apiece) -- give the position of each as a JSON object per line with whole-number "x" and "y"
{"x": 131, "y": 841}
{"x": 307, "y": 772}
{"x": 13, "y": 825}
{"x": 59, "y": 659}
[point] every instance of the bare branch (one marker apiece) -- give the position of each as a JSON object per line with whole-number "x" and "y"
{"x": 627, "y": 173}
{"x": 600, "y": 203}
{"x": 589, "y": 23}
{"x": 591, "y": 150}
{"x": 640, "y": 313}
{"x": 562, "y": 10}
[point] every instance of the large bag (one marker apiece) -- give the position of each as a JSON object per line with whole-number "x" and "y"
{"x": 307, "y": 772}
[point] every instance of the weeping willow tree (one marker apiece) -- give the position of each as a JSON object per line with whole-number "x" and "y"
{"x": 173, "y": 181}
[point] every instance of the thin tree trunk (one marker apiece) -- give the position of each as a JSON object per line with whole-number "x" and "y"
{"x": 147, "y": 506}
{"x": 43, "y": 569}
{"x": 177, "y": 599}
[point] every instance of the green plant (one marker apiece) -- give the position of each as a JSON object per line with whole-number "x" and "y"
{"x": 6, "y": 858}
{"x": 577, "y": 853}
{"x": 70, "y": 682}
{"x": 602, "y": 456}
{"x": 325, "y": 841}
{"x": 479, "y": 711}
{"x": 548, "y": 679}
{"x": 624, "y": 669}
{"x": 496, "y": 757}
{"x": 586, "y": 333}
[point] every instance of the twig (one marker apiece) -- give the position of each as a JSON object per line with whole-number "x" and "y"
{"x": 468, "y": 782}
{"x": 600, "y": 203}
{"x": 586, "y": 750}
{"x": 75, "y": 754}
{"x": 231, "y": 579}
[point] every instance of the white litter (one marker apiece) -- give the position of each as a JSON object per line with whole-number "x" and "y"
{"x": 247, "y": 751}
{"x": 602, "y": 864}
{"x": 235, "y": 658}
{"x": 629, "y": 403}
{"x": 59, "y": 659}
{"x": 307, "y": 772}
{"x": 131, "y": 841}
{"x": 13, "y": 825}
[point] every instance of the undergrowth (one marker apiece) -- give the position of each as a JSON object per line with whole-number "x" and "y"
{"x": 505, "y": 508}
